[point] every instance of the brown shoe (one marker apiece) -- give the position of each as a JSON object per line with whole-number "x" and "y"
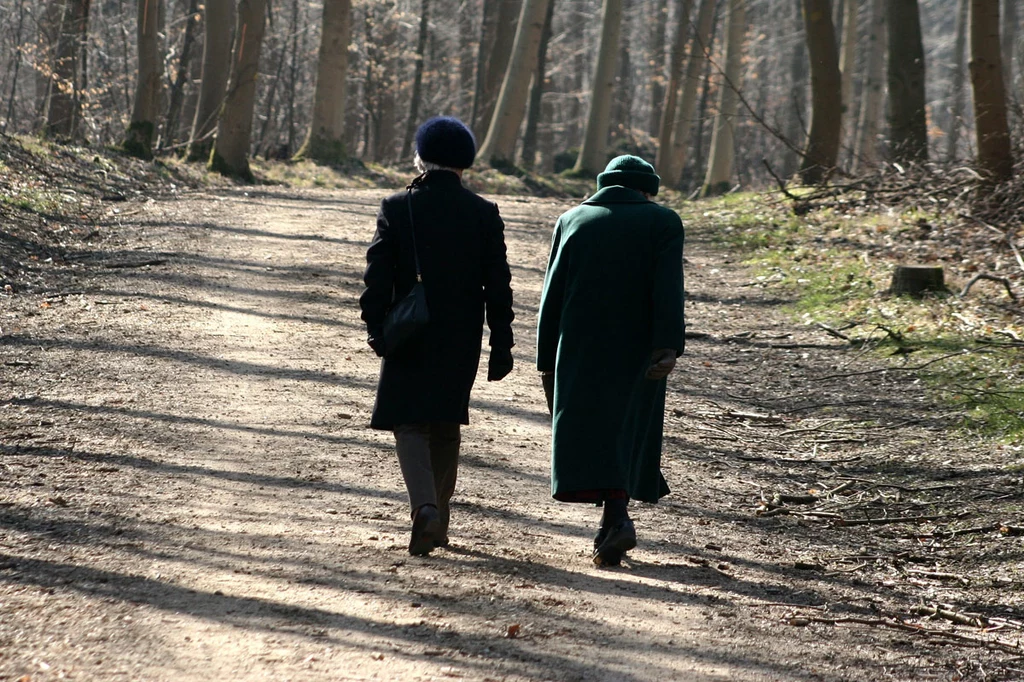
{"x": 426, "y": 530}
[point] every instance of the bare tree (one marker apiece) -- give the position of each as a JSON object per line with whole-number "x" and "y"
{"x": 537, "y": 87}
{"x": 17, "y": 67}
{"x": 64, "y": 114}
{"x": 719, "y": 175}
{"x": 822, "y": 149}
{"x": 325, "y": 141}
{"x": 495, "y": 49}
{"x": 184, "y": 73}
{"x": 957, "y": 79}
{"x": 218, "y": 17}
{"x": 866, "y": 149}
{"x": 848, "y": 64}
{"x": 595, "y": 135}
{"x": 908, "y": 126}
{"x": 499, "y": 146}
{"x": 663, "y": 160}
{"x": 417, "y": 80}
{"x": 700, "y": 48}
{"x": 146, "y": 109}
{"x": 656, "y": 58}
{"x": 796, "y": 104}
{"x": 234, "y": 128}
{"x": 467, "y": 63}
{"x": 995, "y": 158}
{"x": 1010, "y": 27}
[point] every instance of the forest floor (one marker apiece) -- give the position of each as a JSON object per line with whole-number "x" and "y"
{"x": 189, "y": 489}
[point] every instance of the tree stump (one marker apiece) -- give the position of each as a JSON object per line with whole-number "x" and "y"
{"x": 915, "y": 280}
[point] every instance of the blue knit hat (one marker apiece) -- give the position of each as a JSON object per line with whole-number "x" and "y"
{"x": 632, "y": 172}
{"x": 446, "y": 141}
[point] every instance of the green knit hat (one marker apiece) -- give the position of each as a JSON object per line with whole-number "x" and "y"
{"x": 632, "y": 172}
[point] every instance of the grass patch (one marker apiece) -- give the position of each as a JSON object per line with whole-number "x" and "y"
{"x": 969, "y": 353}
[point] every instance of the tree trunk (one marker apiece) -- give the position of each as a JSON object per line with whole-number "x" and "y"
{"x": 577, "y": 45}
{"x": 796, "y": 120}
{"x": 17, "y": 68}
{"x": 177, "y": 98}
{"x": 620, "y": 122}
{"x": 146, "y": 109}
{"x": 995, "y": 158}
{"x": 915, "y": 280}
{"x": 499, "y": 146}
{"x": 822, "y": 150}
{"x": 591, "y": 158}
{"x": 45, "y": 59}
{"x": 466, "y": 62}
{"x": 656, "y": 58}
{"x": 234, "y": 128}
{"x": 1010, "y": 25}
{"x": 689, "y": 97}
{"x": 719, "y": 176}
{"x": 957, "y": 80}
{"x": 664, "y": 158}
{"x": 325, "y": 141}
{"x": 488, "y": 31}
{"x": 537, "y": 87}
{"x": 847, "y": 66}
{"x": 385, "y": 118}
{"x": 907, "y": 122}
{"x": 65, "y": 111}
{"x": 293, "y": 79}
{"x": 498, "y": 54}
{"x": 866, "y": 149}
{"x": 218, "y": 18}
{"x": 417, "y": 81}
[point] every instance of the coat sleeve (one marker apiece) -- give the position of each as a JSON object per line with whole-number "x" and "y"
{"x": 669, "y": 322}
{"x": 498, "y": 285}
{"x": 379, "y": 278}
{"x": 549, "y": 318}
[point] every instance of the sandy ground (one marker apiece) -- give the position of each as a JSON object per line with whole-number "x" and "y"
{"x": 190, "y": 490}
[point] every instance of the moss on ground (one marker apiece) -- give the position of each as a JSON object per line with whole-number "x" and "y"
{"x": 968, "y": 350}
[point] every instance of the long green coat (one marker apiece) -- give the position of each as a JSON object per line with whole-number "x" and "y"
{"x": 613, "y": 293}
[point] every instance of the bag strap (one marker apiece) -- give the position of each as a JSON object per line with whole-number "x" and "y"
{"x": 412, "y": 230}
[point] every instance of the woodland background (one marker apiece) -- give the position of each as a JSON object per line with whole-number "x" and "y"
{"x": 336, "y": 81}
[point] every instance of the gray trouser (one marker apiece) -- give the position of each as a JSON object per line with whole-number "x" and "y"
{"x": 429, "y": 457}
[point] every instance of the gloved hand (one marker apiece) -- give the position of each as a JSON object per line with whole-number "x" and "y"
{"x": 662, "y": 362}
{"x": 377, "y": 344}
{"x": 547, "y": 380}
{"x": 499, "y": 364}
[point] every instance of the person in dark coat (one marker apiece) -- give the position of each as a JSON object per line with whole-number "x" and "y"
{"x": 423, "y": 390}
{"x": 609, "y": 331}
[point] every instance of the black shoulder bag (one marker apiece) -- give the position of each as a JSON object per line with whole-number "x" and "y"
{"x": 407, "y": 318}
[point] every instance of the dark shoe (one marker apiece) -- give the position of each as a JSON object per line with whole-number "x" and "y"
{"x": 618, "y": 540}
{"x": 599, "y": 538}
{"x": 444, "y": 512}
{"x": 426, "y": 530}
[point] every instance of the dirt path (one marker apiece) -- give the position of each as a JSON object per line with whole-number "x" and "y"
{"x": 190, "y": 490}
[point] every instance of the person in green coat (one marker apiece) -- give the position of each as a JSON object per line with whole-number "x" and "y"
{"x": 609, "y": 331}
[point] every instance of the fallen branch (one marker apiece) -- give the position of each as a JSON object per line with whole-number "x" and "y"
{"x": 137, "y": 264}
{"x": 895, "y": 519}
{"x": 991, "y": 278}
{"x": 892, "y": 623}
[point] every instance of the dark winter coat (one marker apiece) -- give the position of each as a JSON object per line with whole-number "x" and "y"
{"x": 613, "y": 294}
{"x": 461, "y": 244}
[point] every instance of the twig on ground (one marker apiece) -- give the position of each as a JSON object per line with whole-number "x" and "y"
{"x": 886, "y": 369}
{"x": 896, "y": 519}
{"x": 991, "y": 278}
{"x": 997, "y": 644}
